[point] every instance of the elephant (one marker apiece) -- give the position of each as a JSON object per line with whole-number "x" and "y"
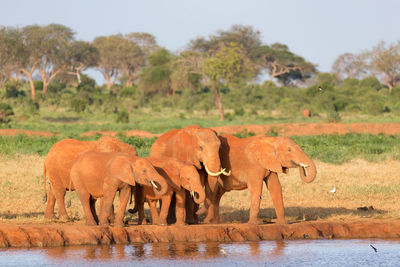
{"x": 182, "y": 177}
{"x": 58, "y": 165}
{"x": 198, "y": 146}
{"x": 101, "y": 174}
{"x": 256, "y": 159}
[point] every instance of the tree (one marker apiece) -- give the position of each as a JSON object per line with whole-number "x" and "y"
{"x": 156, "y": 77}
{"x": 81, "y": 56}
{"x": 110, "y": 55}
{"x": 134, "y": 59}
{"x": 385, "y": 63}
{"x": 349, "y": 65}
{"x": 224, "y": 66}
{"x": 10, "y": 47}
{"x": 187, "y": 71}
{"x": 44, "y": 49}
{"x": 146, "y": 41}
{"x": 282, "y": 64}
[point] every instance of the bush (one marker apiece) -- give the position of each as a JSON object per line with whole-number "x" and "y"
{"x": 239, "y": 111}
{"x": 6, "y": 113}
{"x": 78, "y": 104}
{"x": 123, "y": 116}
{"x": 127, "y": 92}
{"x": 12, "y": 89}
{"x": 334, "y": 116}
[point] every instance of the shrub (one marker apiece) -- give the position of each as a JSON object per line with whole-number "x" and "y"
{"x": 239, "y": 111}
{"x": 334, "y": 116}
{"x": 12, "y": 89}
{"x": 127, "y": 92}
{"x": 6, "y": 113}
{"x": 78, "y": 104}
{"x": 123, "y": 116}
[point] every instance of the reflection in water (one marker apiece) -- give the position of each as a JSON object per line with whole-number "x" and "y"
{"x": 317, "y": 252}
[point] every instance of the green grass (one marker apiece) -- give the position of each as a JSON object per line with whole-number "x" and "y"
{"x": 335, "y": 149}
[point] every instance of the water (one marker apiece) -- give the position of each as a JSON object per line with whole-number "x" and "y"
{"x": 265, "y": 253}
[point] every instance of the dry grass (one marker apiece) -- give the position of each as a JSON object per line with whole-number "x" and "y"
{"x": 358, "y": 183}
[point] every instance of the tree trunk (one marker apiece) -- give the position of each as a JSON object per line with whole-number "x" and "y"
{"x": 218, "y": 101}
{"x": 33, "y": 90}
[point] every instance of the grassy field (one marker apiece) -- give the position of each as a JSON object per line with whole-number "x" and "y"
{"x": 358, "y": 183}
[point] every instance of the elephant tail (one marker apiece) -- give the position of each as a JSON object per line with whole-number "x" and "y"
{"x": 68, "y": 205}
{"x": 44, "y": 184}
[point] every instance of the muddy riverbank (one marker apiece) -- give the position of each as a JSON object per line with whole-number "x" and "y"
{"x": 51, "y": 235}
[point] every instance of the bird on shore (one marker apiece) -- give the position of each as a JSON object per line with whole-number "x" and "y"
{"x": 333, "y": 189}
{"x": 374, "y": 248}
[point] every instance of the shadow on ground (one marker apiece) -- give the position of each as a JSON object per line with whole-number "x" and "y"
{"x": 297, "y": 213}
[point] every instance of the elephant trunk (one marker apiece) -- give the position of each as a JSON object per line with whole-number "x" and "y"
{"x": 198, "y": 196}
{"x": 160, "y": 185}
{"x": 308, "y": 171}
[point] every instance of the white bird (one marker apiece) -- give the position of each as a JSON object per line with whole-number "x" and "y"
{"x": 333, "y": 189}
{"x": 222, "y": 251}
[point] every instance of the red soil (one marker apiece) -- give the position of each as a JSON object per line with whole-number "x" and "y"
{"x": 67, "y": 234}
{"x": 285, "y": 129}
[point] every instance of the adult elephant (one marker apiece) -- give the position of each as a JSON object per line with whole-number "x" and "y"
{"x": 196, "y": 145}
{"x": 58, "y": 164}
{"x": 256, "y": 159}
{"x": 101, "y": 174}
{"x": 182, "y": 177}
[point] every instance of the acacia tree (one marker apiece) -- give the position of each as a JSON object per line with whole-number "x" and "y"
{"x": 224, "y": 66}
{"x": 10, "y": 47}
{"x": 156, "y": 77}
{"x": 81, "y": 56}
{"x": 44, "y": 49}
{"x": 350, "y": 65}
{"x": 279, "y": 62}
{"x": 187, "y": 71}
{"x": 385, "y": 63}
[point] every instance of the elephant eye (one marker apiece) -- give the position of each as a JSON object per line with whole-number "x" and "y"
{"x": 144, "y": 170}
{"x": 289, "y": 149}
{"x": 201, "y": 147}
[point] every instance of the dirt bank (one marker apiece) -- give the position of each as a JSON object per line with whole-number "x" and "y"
{"x": 66, "y": 235}
{"x": 285, "y": 129}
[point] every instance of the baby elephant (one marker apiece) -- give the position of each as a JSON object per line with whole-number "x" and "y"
{"x": 181, "y": 176}
{"x": 101, "y": 174}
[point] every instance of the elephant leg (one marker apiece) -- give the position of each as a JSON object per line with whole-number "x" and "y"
{"x": 92, "y": 203}
{"x": 124, "y": 195}
{"x": 220, "y": 192}
{"x": 255, "y": 189}
{"x": 211, "y": 187}
{"x": 166, "y": 201}
{"x": 60, "y": 196}
{"x": 107, "y": 207}
{"x": 139, "y": 202}
{"x": 171, "y": 211}
{"x": 180, "y": 207}
{"x": 275, "y": 190}
{"x": 154, "y": 212}
{"x": 51, "y": 201}
{"x": 84, "y": 197}
{"x": 191, "y": 209}
{"x": 111, "y": 218}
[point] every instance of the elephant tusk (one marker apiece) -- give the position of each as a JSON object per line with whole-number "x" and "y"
{"x": 303, "y": 165}
{"x": 213, "y": 173}
{"x": 305, "y": 171}
{"x": 154, "y": 184}
{"x": 226, "y": 173}
{"x": 192, "y": 194}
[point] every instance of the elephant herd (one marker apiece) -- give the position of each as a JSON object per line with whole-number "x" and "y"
{"x": 186, "y": 167}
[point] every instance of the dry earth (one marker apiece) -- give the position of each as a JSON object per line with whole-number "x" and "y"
{"x": 285, "y": 129}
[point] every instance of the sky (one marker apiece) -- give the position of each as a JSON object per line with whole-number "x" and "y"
{"x": 318, "y": 30}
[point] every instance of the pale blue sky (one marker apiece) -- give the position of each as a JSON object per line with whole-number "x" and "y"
{"x": 315, "y": 29}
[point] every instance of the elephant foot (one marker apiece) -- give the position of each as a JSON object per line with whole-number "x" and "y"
{"x": 281, "y": 221}
{"x": 64, "y": 219}
{"x": 180, "y": 223}
{"x": 119, "y": 225}
{"x": 50, "y": 217}
{"x": 90, "y": 223}
{"x": 254, "y": 222}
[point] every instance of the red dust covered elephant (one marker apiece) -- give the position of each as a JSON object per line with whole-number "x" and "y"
{"x": 255, "y": 160}
{"x": 58, "y": 164}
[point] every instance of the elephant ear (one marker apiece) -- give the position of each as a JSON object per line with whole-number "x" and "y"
{"x": 120, "y": 168}
{"x": 263, "y": 154}
{"x": 185, "y": 145}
